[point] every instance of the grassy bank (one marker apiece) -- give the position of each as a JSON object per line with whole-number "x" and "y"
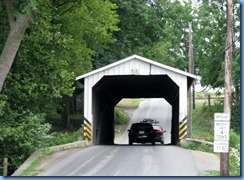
{"x": 129, "y": 103}
{"x": 203, "y": 128}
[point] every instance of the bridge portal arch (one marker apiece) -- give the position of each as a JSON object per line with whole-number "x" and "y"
{"x": 108, "y": 91}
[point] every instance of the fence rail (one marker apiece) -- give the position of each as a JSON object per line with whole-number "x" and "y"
{"x": 208, "y": 100}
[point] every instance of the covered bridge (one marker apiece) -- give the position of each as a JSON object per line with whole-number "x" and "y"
{"x": 132, "y": 77}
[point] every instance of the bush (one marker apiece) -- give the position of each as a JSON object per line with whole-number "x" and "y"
{"x": 197, "y": 146}
{"x": 205, "y": 148}
{"x": 120, "y": 116}
{"x": 189, "y": 145}
{"x": 236, "y": 118}
{"x": 234, "y": 153}
{"x": 20, "y": 136}
{"x": 55, "y": 139}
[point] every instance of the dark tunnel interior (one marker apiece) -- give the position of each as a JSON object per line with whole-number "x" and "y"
{"x": 107, "y": 92}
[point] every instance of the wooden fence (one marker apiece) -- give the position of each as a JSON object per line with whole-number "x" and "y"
{"x": 5, "y": 167}
{"x": 209, "y": 101}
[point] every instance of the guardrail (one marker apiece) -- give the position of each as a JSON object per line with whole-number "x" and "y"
{"x": 200, "y": 141}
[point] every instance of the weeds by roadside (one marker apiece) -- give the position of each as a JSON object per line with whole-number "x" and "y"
{"x": 203, "y": 128}
{"x": 31, "y": 170}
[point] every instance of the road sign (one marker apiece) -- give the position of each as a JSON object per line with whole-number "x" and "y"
{"x": 221, "y": 130}
{"x": 221, "y": 146}
{"x": 221, "y": 117}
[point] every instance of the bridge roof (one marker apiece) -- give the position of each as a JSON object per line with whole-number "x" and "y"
{"x": 189, "y": 75}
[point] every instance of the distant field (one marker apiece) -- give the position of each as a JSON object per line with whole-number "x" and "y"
{"x": 134, "y": 103}
{"x": 202, "y": 101}
{"x": 130, "y": 103}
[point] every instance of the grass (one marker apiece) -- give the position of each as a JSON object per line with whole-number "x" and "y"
{"x": 209, "y": 173}
{"x": 203, "y": 128}
{"x": 129, "y": 103}
{"x": 32, "y": 169}
{"x": 203, "y": 124}
{"x": 203, "y": 116}
{"x": 58, "y": 138}
{"x": 204, "y": 101}
{"x": 121, "y": 121}
{"x": 120, "y": 116}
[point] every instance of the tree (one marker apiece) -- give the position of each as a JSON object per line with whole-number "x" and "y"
{"x": 209, "y": 39}
{"x": 103, "y": 17}
{"x": 98, "y": 21}
{"x": 18, "y": 25}
{"x": 140, "y": 25}
{"x": 172, "y": 48}
{"x": 154, "y": 29}
{"x": 49, "y": 56}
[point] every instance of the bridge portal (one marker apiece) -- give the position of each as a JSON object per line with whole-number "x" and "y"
{"x": 132, "y": 77}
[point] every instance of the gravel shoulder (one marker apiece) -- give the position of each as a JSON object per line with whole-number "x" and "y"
{"x": 206, "y": 161}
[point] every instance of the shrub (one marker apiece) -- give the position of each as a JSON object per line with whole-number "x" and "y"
{"x": 189, "y": 145}
{"x": 20, "y": 136}
{"x": 236, "y": 118}
{"x": 205, "y": 148}
{"x": 120, "y": 116}
{"x": 234, "y": 153}
{"x": 55, "y": 139}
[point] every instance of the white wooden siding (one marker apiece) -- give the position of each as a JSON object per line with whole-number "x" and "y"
{"x": 138, "y": 67}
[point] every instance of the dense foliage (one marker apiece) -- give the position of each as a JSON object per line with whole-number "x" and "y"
{"x": 42, "y": 76}
{"x": 67, "y": 38}
{"x": 153, "y": 29}
{"x": 209, "y": 43}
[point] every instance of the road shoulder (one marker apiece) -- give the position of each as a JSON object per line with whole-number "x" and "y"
{"x": 206, "y": 161}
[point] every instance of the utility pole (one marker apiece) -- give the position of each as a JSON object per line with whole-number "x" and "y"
{"x": 224, "y": 157}
{"x": 190, "y": 70}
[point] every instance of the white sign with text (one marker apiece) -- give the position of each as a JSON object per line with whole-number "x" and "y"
{"x": 221, "y": 132}
{"x": 221, "y": 146}
{"x": 221, "y": 117}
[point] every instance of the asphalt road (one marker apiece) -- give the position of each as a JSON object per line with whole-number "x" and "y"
{"x": 158, "y": 109}
{"x": 122, "y": 160}
{"x": 137, "y": 160}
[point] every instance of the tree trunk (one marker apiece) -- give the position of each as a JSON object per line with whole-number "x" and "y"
{"x": 16, "y": 34}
